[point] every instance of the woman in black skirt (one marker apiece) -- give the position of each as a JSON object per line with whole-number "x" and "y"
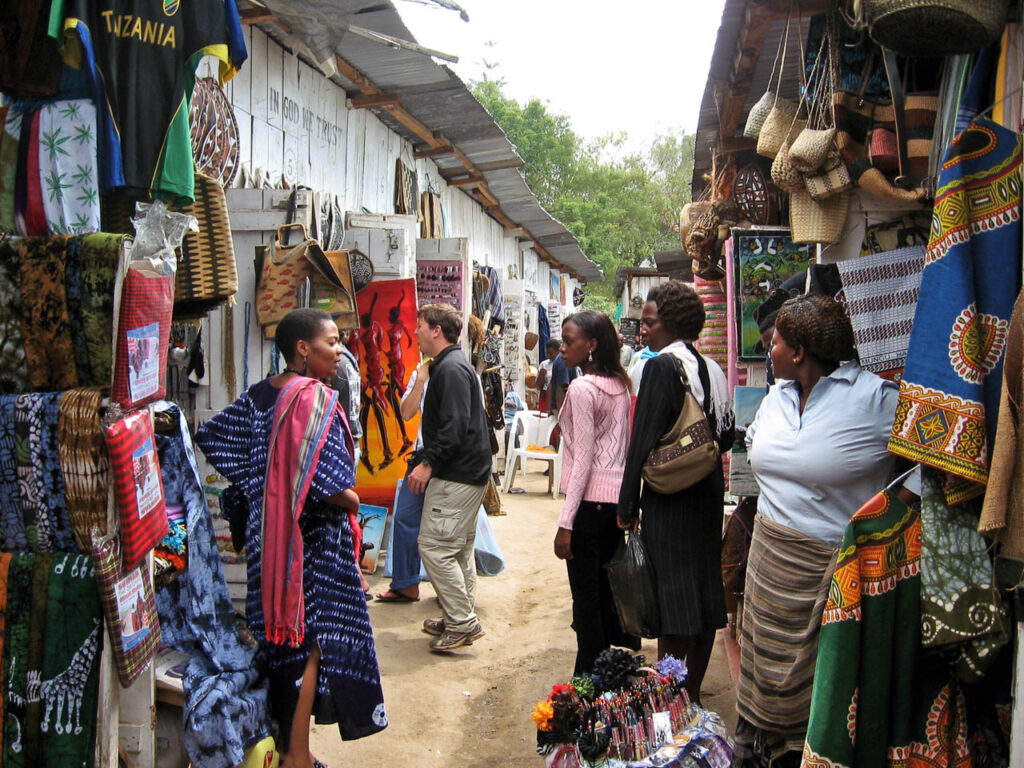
{"x": 682, "y": 531}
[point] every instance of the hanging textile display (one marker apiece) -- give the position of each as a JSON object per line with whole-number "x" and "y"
{"x": 84, "y": 462}
{"x": 949, "y": 395}
{"x": 45, "y": 323}
{"x": 13, "y": 368}
{"x": 143, "y": 334}
{"x": 877, "y": 699}
{"x": 16, "y": 641}
{"x": 206, "y": 276}
{"x": 67, "y": 167}
{"x": 9, "y": 140}
{"x": 100, "y": 256}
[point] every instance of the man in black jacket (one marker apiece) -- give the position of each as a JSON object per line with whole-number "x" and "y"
{"x": 452, "y": 469}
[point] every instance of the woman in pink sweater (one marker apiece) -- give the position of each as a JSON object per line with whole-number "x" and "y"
{"x": 595, "y": 429}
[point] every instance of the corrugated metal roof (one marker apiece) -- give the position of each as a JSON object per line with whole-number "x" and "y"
{"x": 435, "y": 96}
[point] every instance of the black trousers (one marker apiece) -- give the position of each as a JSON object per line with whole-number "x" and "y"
{"x": 595, "y": 537}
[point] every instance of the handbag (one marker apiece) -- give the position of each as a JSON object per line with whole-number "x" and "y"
{"x": 809, "y": 149}
{"x": 784, "y": 175}
{"x": 759, "y": 112}
{"x": 688, "y": 452}
{"x": 206, "y": 276}
{"x": 832, "y": 179}
{"x": 782, "y": 120}
{"x": 817, "y": 221}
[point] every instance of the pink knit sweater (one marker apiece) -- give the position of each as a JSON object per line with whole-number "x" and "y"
{"x": 595, "y": 429}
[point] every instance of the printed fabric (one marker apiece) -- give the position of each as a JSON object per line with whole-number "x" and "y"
{"x": 143, "y": 336}
{"x": 236, "y": 442}
{"x": 19, "y": 611}
{"x": 69, "y": 691}
{"x": 67, "y": 167}
{"x": 73, "y": 291}
{"x": 46, "y": 327}
{"x": 9, "y": 142}
{"x": 5, "y": 565}
{"x": 949, "y": 395}
{"x": 13, "y": 370}
{"x": 99, "y": 258}
{"x": 878, "y": 698}
{"x": 36, "y": 634}
{"x": 961, "y": 610}
{"x": 151, "y": 46}
{"x": 226, "y": 707}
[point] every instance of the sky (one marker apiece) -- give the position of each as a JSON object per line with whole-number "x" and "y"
{"x": 634, "y": 66}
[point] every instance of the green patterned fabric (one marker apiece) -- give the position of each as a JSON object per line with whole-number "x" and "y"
{"x": 19, "y": 609}
{"x": 36, "y": 633}
{"x": 960, "y": 604}
{"x": 99, "y": 258}
{"x": 878, "y": 701}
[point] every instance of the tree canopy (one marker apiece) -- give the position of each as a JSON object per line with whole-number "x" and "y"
{"x": 622, "y": 207}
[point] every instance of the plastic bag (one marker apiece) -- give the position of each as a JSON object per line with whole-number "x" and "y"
{"x": 632, "y": 581}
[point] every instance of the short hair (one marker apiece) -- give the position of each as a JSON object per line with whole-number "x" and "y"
{"x": 444, "y": 316}
{"x": 301, "y": 324}
{"x": 820, "y": 325}
{"x": 679, "y": 309}
{"x": 553, "y": 344}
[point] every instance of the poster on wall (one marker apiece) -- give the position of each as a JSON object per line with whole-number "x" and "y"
{"x": 764, "y": 260}
{"x": 388, "y": 353}
{"x": 554, "y": 320}
{"x": 555, "y": 286}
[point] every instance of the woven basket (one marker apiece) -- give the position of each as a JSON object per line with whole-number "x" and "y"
{"x": 935, "y": 27}
{"x": 784, "y": 175}
{"x": 831, "y": 180}
{"x": 84, "y": 463}
{"x": 809, "y": 149}
{"x": 813, "y": 221}
{"x": 778, "y": 126}
{"x": 206, "y": 276}
{"x": 757, "y": 115}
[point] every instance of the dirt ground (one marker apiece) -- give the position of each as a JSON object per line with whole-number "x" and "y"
{"x": 472, "y": 707}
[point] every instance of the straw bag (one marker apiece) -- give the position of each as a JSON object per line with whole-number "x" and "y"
{"x": 688, "y": 452}
{"x": 809, "y": 148}
{"x": 782, "y": 119}
{"x": 759, "y": 112}
{"x": 813, "y": 221}
{"x": 925, "y": 28}
{"x": 832, "y": 179}
{"x": 784, "y": 175}
{"x": 206, "y": 276}
{"x": 283, "y": 275}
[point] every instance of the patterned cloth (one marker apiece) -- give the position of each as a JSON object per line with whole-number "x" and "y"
{"x": 5, "y": 565}
{"x": 100, "y": 256}
{"x": 961, "y": 610}
{"x": 877, "y": 699}
{"x": 73, "y": 290}
{"x": 36, "y": 638}
{"x": 19, "y": 609}
{"x": 236, "y": 442}
{"x": 881, "y": 296}
{"x": 9, "y": 166}
{"x": 949, "y": 395}
{"x": 67, "y": 166}
{"x": 45, "y": 324}
{"x": 13, "y": 371}
{"x": 226, "y": 707}
{"x": 69, "y": 690}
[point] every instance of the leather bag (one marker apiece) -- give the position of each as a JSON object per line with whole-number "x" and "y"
{"x": 688, "y": 452}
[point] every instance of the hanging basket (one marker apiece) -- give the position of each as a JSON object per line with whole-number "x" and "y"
{"x": 817, "y": 221}
{"x": 935, "y": 27}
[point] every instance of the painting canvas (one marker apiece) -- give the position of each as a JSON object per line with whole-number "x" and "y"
{"x": 764, "y": 260}
{"x": 388, "y": 353}
{"x": 372, "y": 519}
{"x": 746, "y": 401}
{"x": 555, "y": 286}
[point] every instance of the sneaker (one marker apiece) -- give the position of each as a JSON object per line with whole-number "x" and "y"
{"x": 449, "y": 641}
{"x": 434, "y": 627}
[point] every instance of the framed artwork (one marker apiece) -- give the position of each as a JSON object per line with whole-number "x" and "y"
{"x": 746, "y": 401}
{"x": 764, "y": 259}
{"x": 371, "y": 519}
{"x": 388, "y": 353}
{"x": 555, "y": 286}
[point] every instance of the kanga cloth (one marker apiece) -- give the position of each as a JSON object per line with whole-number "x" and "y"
{"x": 15, "y": 662}
{"x": 36, "y": 635}
{"x": 73, "y": 291}
{"x": 100, "y": 255}
{"x": 226, "y": 707}
{"x": 949, "y": 395}
{"x": 236, "y": 443}
{"x": 1002, "y": 516}
{"x": 67, "y": 167}
{"x": 70, "y": 682}
{"x": 45, "y": 325}
{"x": 13, "y": 370}
{"x": 961, "y": 610}
{"x": 881, "y": 298}
{"x": 788, "y": 577}
{"x": 878, "y": 699}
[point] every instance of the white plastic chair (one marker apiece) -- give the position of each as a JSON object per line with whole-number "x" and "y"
{"x": 536, "y": 431}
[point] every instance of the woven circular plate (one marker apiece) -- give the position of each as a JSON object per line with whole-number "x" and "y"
{"x": 214, "y": 132}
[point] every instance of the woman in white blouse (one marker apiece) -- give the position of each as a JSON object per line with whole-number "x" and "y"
{"x": 817, "y": 448}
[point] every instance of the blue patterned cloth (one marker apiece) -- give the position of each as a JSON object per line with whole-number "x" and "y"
{"x": 226, "y": 708}
{"x": 348, "y": 691}
{"x": 949, "y": 395}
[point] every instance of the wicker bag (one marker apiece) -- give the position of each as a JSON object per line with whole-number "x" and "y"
{"x": 784, "y": 175}
{"x": 809, "y": 149}
{"x": 206, "y": 276}
{"x": 832, "y": 179}
{"x": 925, "y": 28}
{"x": 759, "y": 112}
{"x": 813, "y": 221}
{"x": 781, "y": 123}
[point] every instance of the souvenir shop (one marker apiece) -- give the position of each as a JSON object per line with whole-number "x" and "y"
{"x": 871, "y": 151}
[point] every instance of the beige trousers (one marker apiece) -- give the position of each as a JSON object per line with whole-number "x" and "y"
{"x": 447, "y": 536}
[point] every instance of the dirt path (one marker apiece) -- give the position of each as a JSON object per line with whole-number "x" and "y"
{"x": 472, "y": 707}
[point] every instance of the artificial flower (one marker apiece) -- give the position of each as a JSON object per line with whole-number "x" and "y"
{"x": 542, "y": 714}
{"x": 673, "y": 668}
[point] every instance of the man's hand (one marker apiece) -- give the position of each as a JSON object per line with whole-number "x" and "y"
{"x": 419, "y": 478}
{"x": 563, "y": 544}
{"x": 423, "y": 372}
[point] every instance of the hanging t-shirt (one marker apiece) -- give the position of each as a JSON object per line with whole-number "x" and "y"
{"x": 142, "y": 56}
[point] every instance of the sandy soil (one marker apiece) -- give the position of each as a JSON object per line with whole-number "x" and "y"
{"x": 472, "y": 707}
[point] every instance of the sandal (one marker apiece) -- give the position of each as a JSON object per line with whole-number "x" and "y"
{"x": 390, "y": 596}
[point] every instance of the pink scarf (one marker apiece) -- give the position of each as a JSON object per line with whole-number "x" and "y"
{"x": 302, "y": 416}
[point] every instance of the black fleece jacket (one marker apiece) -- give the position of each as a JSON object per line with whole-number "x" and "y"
{"x": 455, "y": 441}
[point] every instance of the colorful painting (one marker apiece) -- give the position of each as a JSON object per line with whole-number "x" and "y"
{"x": 388, "y": 353}
{"x": 764, "y": 259}
{"x": 555, "y": 286}
{"x": 372, "y": 519}
{"x": 746, "y": 401}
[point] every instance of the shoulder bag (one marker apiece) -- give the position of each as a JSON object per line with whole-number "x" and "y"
{"x": 688, "y": 452}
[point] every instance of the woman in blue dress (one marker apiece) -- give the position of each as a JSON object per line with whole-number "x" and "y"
{"x": 285, "y": 442}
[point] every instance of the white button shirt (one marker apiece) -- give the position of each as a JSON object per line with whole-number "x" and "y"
{"x": 816, "y": 469}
